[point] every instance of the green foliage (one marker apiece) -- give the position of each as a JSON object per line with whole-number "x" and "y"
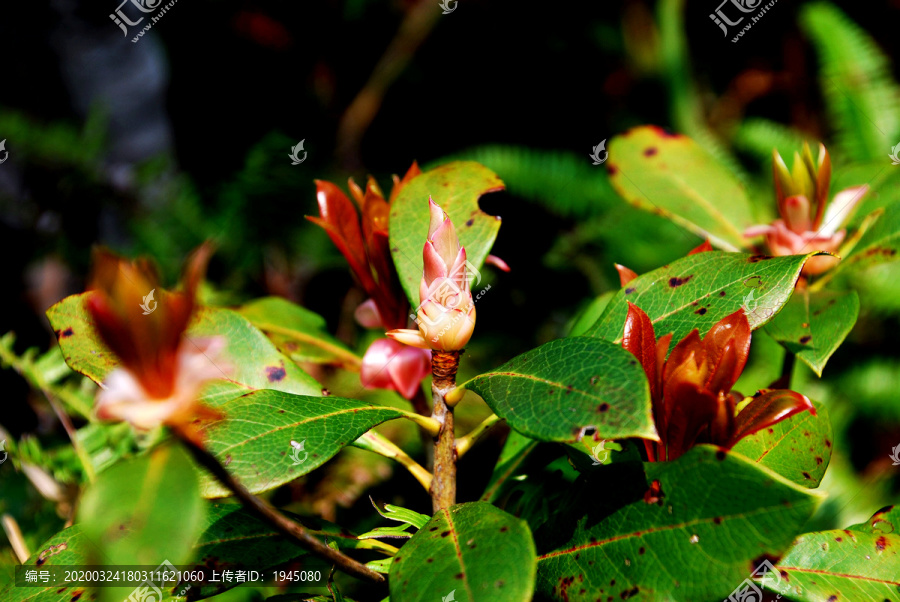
{"x": 627, "y": 541}
{"x": 259, "y": 437}
{"x": 472, "y": 549}
{"x": 812, "y": 325}
{"x": 456, "y": 187}
{"x": 297, "y": 332}
{"x": 860, "y": 563}
{"x": 563, "y": 182}
{"x": 145, "y": 510}
{"x": 250, "y": 361}
{"x": 673, "y": 176}
{"x": 862, "y": 100}
{"x": 570, "y": 387}
{"x": 699, "y": 290}
{"x": 799, "y": 448}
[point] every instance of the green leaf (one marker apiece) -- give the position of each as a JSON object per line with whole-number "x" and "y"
{"x": 841, "y": 565}
{"x": 409, "y": 518}
{"x": 145, "y": 510}
{"x": 813, "y": 325}
{"x": 879, "y": 244}
{"x": 716, "y": 512}
{"x": 563, "y": 389}
{"x": 255, "y": 362}
{"x": 670, "y": 175}
{"x": 589, "y": 315}
{"x": 234, "y": 538}
{"x": 884, "y": 522}
{"x": 254, "y": 439}
{"x": 298, "y": 333}
{"x": 69, "y": 547}
{"x": 799, "y": 448}
{"x": 699, "y": 290}
{"x": 514, "y": 453}
{"x": 473, "y": 551}
{"x": 456, "y": 187}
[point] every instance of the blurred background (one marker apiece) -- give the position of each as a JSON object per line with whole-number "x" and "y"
{"x": 154, "y": 145}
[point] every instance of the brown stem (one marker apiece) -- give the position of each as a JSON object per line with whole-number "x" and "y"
{"x": 787, "y": 371}
{"x": 275, "y": 518}
{"x": 443, "y": 487}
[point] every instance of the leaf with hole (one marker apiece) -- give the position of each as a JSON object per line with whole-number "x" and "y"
{"x": 456, "y": 187}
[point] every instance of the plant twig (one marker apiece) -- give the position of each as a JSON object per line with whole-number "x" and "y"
{"x": 416, "y": 25}
{"x": 443, "y": 487}
{"x": 464, "y": 444}
{"x": 383, "y": 446}
{"x": 787, "y": 371}
{"x": 275, "y": 518}
{"x": 14, "y": 534}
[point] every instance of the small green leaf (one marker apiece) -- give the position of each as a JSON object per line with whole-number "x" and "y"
{"x": 254, "y": 360}
{"x": 514, "y": 453}
{"x": 879, "y": 244}
{"x": 465, "y": 553}
{"x": 456, "y": 187}
{"x": 691, "y": 537}
{"x": 145, "y": 510}
{"x": 699, "y": 290}
{"x": 669, "y": 174}
{"x": 69, "y": 547}
{"x": 813, "y": 325}
{"x": 298, "y": 333}
{"x": 799, "y": 448}
{"x": 563, "y": 389}
{"x": 583, "y": 321}
{"x": 841, "y": 565}
{"x": 884, "y": 522}
{"x": 269, "y": 437}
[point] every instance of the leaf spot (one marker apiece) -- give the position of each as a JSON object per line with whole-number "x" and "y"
{"x": 676, "y": 282}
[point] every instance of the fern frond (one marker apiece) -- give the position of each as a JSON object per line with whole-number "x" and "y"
{"x": 565, "y": 183}
{"x": 862, "y": 99}
{"x": 757, "y": 137}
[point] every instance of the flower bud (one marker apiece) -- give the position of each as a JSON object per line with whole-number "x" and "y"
{"x": 446, "y": 314}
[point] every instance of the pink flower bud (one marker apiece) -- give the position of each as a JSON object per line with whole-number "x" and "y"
{"x": 446, "y": 314}
{"x": 394, "y": 366}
